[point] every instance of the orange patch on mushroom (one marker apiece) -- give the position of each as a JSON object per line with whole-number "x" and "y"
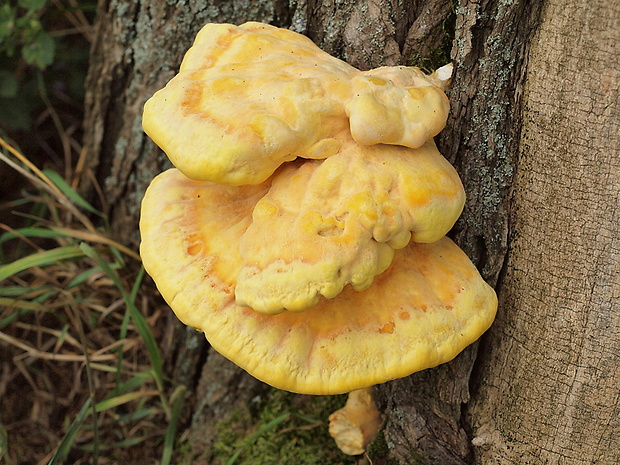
{"x": 387, "y": 328}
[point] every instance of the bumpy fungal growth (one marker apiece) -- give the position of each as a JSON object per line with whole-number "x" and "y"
{"x": 420, "y": 312}
{"x": 304, "y": 184}
{"x": 326, "y": 224}
{"x": 252, "y": 97}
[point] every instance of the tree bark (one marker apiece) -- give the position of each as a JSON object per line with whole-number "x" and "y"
{"x": 547, "y": 365}
{"x": 481, "y": 139}
{"x": 546, "y": 388}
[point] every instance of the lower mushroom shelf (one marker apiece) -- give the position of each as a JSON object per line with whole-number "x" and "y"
{"x": 422, "y": 311}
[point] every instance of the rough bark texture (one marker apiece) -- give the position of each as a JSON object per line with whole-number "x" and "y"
{"x": 547, "y": 388}
{"x": 481, "y": 139}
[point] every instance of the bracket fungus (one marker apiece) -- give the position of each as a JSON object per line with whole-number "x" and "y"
{"x": 303, "y": 226}
{"x": 250, "y": 98}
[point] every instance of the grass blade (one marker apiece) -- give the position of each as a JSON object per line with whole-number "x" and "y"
{"x": 125, "y": 324}
{"x": 125, "y": 443}
{"x": 65, "y": 446}
{"x": 4, "y": 442}
{"x": 122, "y": 399}
{"x": 20, "y": 291}
{"x": 252, "y": 438}
{"x": 42, "y": 258}
{"x": 70, "y": 193}
{"x": 140, "y": 322}
{"x": 137, "y": 415}
{"x": 177, "y": 399}
{"x": 18, "y": 303}
{"x": 42, "y": 233}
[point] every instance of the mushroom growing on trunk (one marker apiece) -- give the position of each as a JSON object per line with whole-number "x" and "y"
{"x": 355, "y": 425}
{"x": 303, "y": 228}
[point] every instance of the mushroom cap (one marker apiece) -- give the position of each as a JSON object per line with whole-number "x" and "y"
{"x": 325, "y": 224}
{"x": 422, "y": 311}
{"x": 249, "y": 98}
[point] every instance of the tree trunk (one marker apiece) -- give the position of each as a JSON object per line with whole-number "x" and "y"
{"x": 537, "y": 384}
{"x": 547, "y": 384}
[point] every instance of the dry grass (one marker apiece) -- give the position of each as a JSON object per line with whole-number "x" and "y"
{"x": 81, "y": 377}
{"x": 81, "y": 374}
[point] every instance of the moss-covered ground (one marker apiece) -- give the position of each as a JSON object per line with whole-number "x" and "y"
{"x": 284, "y": 428}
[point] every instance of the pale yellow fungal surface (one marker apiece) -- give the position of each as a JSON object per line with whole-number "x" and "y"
{"x": 249, "y": 98}
{"x": 304, "y": 184}
{"x": 426, "y": 307}
{"x": 326, "y": 224}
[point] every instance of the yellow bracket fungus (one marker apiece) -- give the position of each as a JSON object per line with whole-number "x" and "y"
{"x": 426, "y": 307}
{"x": 303, "y": 228}
{"x": 325, "y": 224}
{"x": 250, "y": 98}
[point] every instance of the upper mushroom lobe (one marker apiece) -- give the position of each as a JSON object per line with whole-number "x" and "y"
{"x": 250, "y": 98}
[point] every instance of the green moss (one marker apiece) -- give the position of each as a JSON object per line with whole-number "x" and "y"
{"x": 183, "y": 454}
{"x": 436, "y": 57}
{"x": 284, "y": 428}
{"x": 379, "y": 450}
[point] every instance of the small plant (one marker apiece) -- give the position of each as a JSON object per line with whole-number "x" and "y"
{"x": 21, "y": 29}
{"x": 40, "y": 36}
{"x": 80, "y": 359}
{"x": 434, "y": 51}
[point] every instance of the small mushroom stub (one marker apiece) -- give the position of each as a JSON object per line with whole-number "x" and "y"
{"x": 303, "y": 226}
{"x": 355, "y": 425}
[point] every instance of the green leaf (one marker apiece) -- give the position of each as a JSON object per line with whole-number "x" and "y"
{"x": 15, "y": 112}
{"x": 66, "y": 189}
{"x": 7, "y": 26}
{"x": 65, "y": 446}
{"x": 32, "y": 4}
{"x": 8, "y": 84}
{"x": 43, "y": 258}
{"x": 40, "y": 51}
